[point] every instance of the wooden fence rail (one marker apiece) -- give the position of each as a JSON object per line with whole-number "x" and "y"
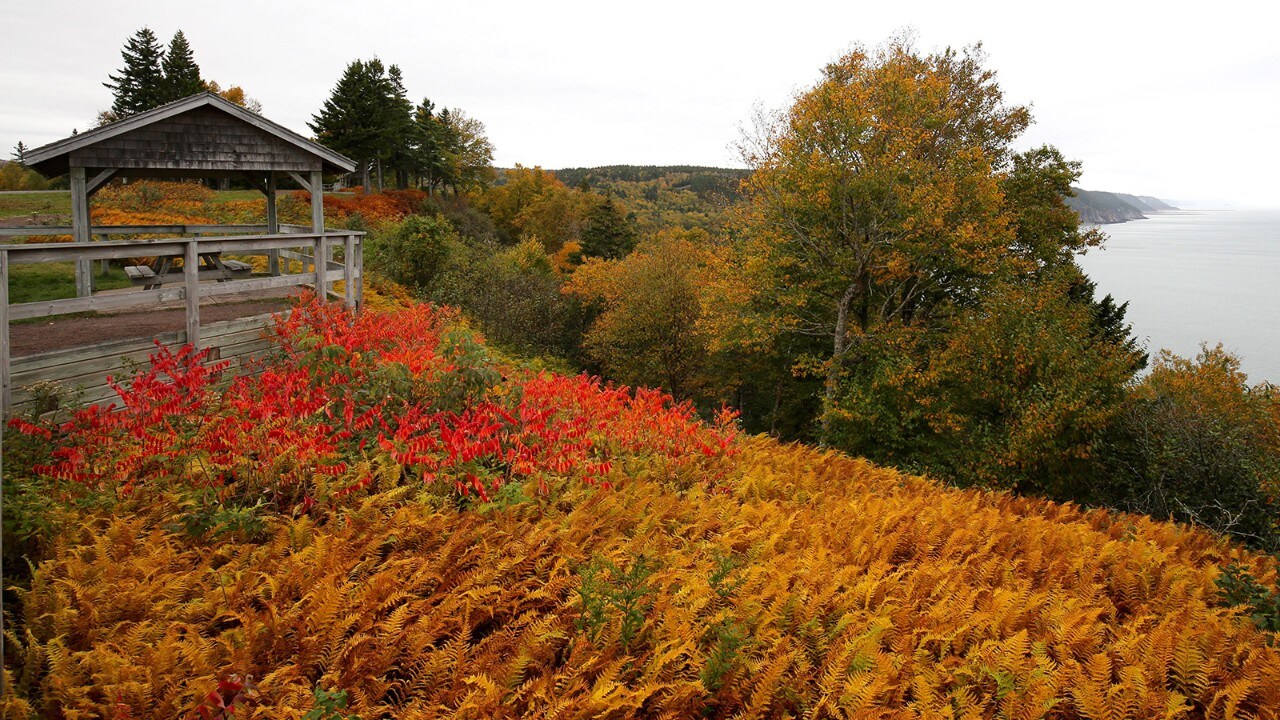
{"x": 320, "y": 275}
{"x": 110, "y": 230}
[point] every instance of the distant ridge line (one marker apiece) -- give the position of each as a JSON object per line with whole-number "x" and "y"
{"x": 1098, "y": 207}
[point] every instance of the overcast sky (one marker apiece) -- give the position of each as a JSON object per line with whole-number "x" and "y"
{"x": 1177, "y": 101}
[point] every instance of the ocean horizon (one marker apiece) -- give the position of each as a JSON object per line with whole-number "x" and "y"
{"x": 1195, "y": 277}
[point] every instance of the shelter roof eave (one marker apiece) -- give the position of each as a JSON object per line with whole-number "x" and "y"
{"x": 48, "y": 156}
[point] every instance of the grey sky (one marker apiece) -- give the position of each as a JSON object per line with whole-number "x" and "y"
{"x": 1178, "y": 101}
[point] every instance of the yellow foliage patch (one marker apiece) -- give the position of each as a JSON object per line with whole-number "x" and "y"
{"x": 857, "y": 591}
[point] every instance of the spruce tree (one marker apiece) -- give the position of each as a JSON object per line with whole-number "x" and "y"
{"x": 365, "y": 117}
{"x": 181, "y": 73}
{"x": 609, "y": 233}
{"x": 404, "y": 135}
{"x": 431, "y": 159}
{"x": 140, "y": 84}
{"x": 20, "y": 152}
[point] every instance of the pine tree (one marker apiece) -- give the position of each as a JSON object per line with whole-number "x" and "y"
{"x": 20, "y": 152}
{"x": 181, "y": 73}
{"x": 140, "y": 84}
{"x": 609, "y": 233}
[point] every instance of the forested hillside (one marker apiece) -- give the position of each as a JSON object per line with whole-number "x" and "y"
{"x": 664, "y": 197}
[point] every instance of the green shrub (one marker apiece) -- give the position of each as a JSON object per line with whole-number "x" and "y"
{"x": 1197, "y": 443}
{"x": 608, "y": 591}
{"x": 1239, "y": 588}
{"x": 414, "y": 252}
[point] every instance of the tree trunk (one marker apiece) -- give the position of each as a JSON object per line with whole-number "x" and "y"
{"x": 364, "y": 175}
{"x": 840, "y": 344}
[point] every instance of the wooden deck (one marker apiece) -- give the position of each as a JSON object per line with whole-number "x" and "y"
{"x": 315, "y": 253}
{"x": 82, "y": 373}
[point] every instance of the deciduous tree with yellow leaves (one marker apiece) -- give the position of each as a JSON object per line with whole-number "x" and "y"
{"x": 651, "y": 324}
{"x": 876, "y": 198}
{"x": 892, "y": 234}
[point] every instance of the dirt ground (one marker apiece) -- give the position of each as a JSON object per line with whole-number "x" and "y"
{"x": 60, "y": 333}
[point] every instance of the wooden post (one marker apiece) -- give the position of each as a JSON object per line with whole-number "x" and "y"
{"x": 360, "y": 274}
{"x": 80, "y": 229}
{"x": 322, "y": 267}
{"x": 349, "y": 271}
{"x": 317, "y": 201}
{"x": 191, "y": 279}
{"x": 317, "y": 226}
{"x": 273, "y": 224}
{"x": 5, "y": 396}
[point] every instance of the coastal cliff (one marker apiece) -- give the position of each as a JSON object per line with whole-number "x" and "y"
{"x": 1096, "y": 207}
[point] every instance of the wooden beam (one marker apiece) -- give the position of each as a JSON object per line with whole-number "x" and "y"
{"x": 273, "y": 224}
{"x": 80, "y": 229}
{"x": 317, "y": 227}
{"x": 359, "y": 273}
{"x": 262, "y": 283}
{"x": 298, "y": 179}
{"x": 99, "y": 180}
{"x": 190, "y": 272}
{"x": 49, "y": 308}
{"x": 116, "y": 249}
{"x": 317, "y": 202}
{"x": 5, "y": 396}
{"x": 349, "y": 272}
{"x": 108, "y": 230}
{"x": 321, "y": 268}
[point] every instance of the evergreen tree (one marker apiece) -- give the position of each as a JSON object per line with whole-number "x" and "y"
{"x": 139, "y": 86}
{"x": 358, "y": 118}
{"x": 609, "y": 233}
{"x": 432, "y": 165}
{"x": 404, "y": 133}
{"x": 1108, "y": 319}
{"x": 181, "y": 73}
{"x": 20, "y": 152}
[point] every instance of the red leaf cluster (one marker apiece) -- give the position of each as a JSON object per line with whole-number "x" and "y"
{"x": 409, "y": 393}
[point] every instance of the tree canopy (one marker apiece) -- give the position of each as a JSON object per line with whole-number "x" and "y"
{"x": 140, "y": 84}
{"x": 181, "y": 73}
{"x": 369, "y": 117}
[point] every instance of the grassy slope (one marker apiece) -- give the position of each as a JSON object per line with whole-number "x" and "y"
{"x": 52, "y": 281}
{"x": 13, "y": 204}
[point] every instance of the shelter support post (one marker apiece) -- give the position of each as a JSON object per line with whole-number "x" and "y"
{"x": 80, "y": 229}
{"x": 322, "y": 267}
{"x": 273, "y": 224}
{"x": 317, "y": 226}
{"x": 191, "y": 278}
{"x": 348, "y": 272}
{"x": 4, "y": 338}
{"x": 360, "y": 275}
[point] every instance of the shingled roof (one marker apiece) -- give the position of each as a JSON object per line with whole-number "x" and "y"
{"x": 202, "y": 135}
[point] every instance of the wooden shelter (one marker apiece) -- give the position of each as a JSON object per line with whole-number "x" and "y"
{"x": 202, "y": 136}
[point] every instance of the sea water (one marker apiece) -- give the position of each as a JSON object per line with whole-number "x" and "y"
{"x": 1198, "y": 276}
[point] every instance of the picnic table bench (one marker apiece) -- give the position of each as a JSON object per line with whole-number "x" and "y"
{"x": 212, "y": 267}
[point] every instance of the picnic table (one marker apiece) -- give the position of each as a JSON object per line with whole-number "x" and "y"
{"x": 212, "y": 267}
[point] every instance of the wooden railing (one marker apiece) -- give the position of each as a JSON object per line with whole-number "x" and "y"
{"x": 113, "y": 230}
{"x": 320, "y": 275}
